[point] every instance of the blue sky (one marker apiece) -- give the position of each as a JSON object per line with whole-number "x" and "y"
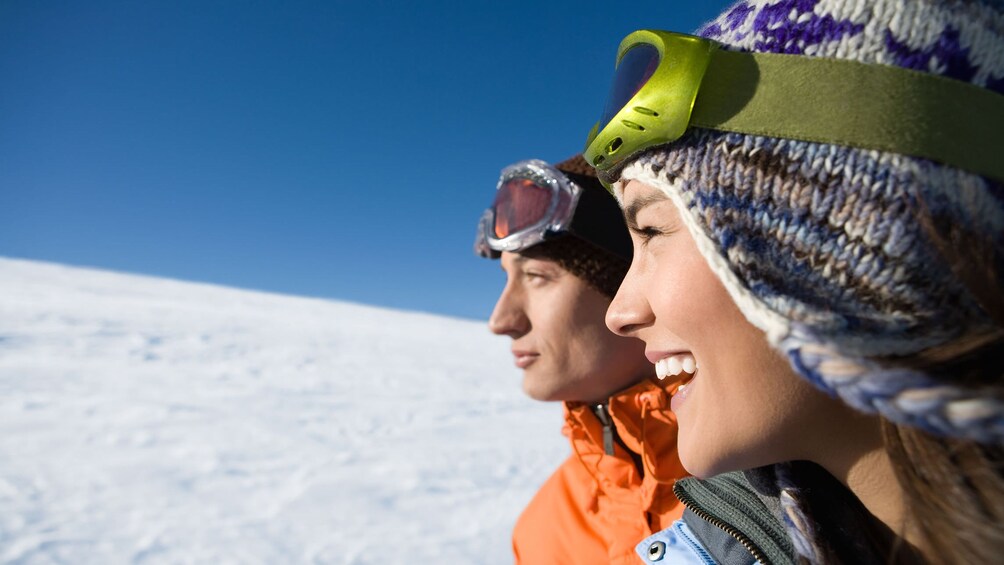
{"x": 332, "y": 149}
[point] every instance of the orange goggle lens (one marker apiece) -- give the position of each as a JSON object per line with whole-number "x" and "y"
{"x": 520, "y": 204}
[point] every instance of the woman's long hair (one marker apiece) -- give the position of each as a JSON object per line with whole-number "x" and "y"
{"x": 955, "y": 488}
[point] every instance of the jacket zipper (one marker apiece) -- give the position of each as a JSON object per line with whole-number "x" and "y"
{"x": 745, "y": 541}
{"x": 608, "y": 429}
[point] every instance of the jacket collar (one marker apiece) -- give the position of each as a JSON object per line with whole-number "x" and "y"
{"x": 645, "y": 456}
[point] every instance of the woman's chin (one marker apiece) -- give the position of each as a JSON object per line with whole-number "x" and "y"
{"x": 703, "y": 459}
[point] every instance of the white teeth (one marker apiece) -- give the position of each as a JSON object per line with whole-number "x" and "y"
{"x": 673, "y": 365}
{"x": 661, "y": 370}
{"x": 689, "y": 365}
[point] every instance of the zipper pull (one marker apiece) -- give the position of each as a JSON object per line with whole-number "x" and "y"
{"x": 608, "y": 429}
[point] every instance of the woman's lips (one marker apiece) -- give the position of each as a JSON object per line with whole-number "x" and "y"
{"x": 680, "y": 395}
{"x": 524, "y": 358}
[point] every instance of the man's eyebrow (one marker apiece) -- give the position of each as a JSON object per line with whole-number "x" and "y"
{"x": 631, "y": 212}
{"x": 517, "y": 261}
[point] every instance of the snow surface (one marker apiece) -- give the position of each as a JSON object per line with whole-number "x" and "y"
{"x": 146, "y": 420}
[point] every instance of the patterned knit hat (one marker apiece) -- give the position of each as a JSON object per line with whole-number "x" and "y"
{"x": 820, "y": 245}
{"x": 602, "y": 269}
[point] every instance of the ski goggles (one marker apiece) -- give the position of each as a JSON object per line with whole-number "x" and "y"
{"x": 666, "y": 82}
{"x": 534, "y": 202}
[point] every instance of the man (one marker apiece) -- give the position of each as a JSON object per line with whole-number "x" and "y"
{"x": 564, "y": 248}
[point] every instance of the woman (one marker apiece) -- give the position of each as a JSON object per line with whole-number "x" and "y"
{"x": 819, "y": 267}
{"x": 564, "y": 249}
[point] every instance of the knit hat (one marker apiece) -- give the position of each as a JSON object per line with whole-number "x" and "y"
{"x": 600, "y": 268}
{"x": 820, "y": 245}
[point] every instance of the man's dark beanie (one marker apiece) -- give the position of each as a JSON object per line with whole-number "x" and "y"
{"x": 602, "y": 269}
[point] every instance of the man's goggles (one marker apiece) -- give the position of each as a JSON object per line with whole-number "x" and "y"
{"x": 535, "y": 201}
{"x": 666, "y": 82}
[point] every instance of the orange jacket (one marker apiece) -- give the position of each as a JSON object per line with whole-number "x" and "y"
{"x": 596, "y": 507}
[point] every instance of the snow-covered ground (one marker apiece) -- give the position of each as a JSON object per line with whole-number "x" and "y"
{"x": 145, "y": 420}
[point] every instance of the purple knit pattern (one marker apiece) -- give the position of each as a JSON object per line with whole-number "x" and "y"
{"x": 732, "y": 20}
{"x": 776, "y": 32}
{"x": 801, "y": 27}
{"x": 946, "y": 50}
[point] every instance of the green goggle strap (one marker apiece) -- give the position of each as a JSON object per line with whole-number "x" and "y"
{"x": 854, "y": 104}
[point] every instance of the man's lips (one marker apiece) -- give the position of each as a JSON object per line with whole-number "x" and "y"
{"x": 524, "y": 358}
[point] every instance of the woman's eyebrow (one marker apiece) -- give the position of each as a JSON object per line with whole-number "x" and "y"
{"x": 631, "y": 212}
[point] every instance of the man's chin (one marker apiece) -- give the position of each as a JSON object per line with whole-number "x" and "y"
{"x": 542, "y": 391}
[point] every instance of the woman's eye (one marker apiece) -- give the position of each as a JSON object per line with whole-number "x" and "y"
{"x": 646, "y": 233}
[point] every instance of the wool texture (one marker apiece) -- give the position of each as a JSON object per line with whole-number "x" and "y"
{"x": 800, "y": 526}
{"x": 819, "y": 245}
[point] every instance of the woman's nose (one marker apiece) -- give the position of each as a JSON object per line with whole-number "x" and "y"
{"x": 629, "y": 311}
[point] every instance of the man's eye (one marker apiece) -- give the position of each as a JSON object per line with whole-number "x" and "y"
{"x": 536, "y": 277}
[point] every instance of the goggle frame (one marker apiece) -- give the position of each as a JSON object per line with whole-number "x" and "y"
{"x": 556, "y": 219}
{"x": 816, "y": 99}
